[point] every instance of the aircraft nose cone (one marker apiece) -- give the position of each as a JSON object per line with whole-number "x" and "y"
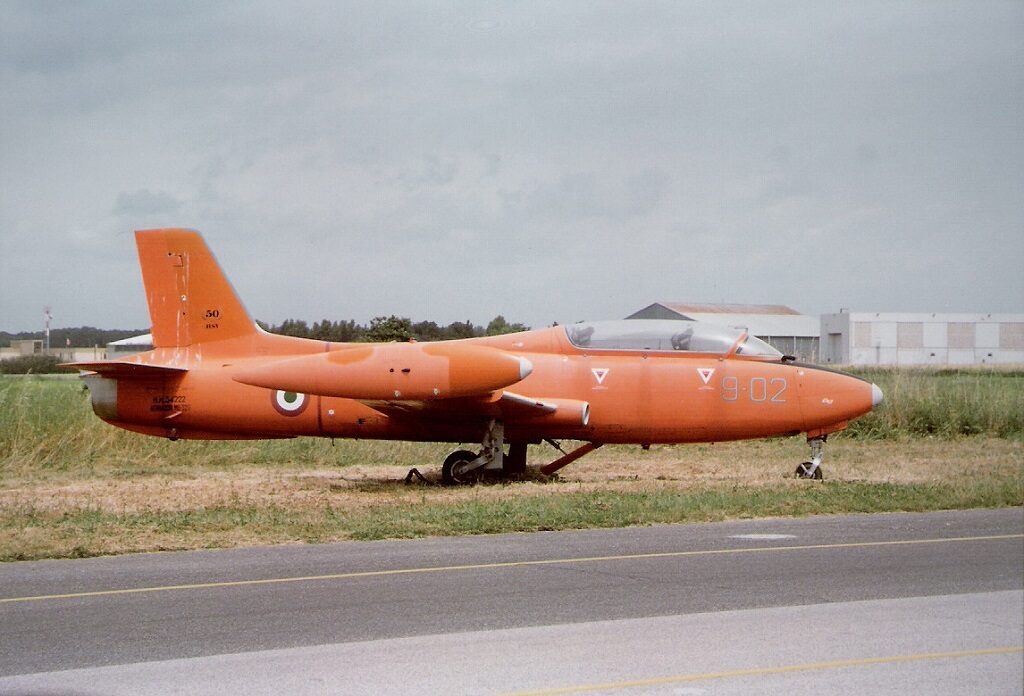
{"x": 876, "y": 395}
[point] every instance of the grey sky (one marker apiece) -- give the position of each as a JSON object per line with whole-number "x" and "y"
{"x": 547, "y": 161}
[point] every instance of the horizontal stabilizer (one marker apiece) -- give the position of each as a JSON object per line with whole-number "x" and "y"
{"x": 123, "y": 368}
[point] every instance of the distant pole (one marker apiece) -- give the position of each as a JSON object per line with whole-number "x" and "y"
{"x": 47, "y": 316}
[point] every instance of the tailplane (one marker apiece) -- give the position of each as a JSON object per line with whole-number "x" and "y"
{"x": 190, "y": 299}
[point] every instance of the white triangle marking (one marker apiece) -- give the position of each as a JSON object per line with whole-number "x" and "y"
{"x": 600, "y": 373}
{"x": 705, "y": 373}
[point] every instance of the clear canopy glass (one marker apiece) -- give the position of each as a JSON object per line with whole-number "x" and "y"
{"x": 664, "y": 335}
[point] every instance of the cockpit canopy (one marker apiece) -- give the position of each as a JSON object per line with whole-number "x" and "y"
{"x": 665, "y": 335}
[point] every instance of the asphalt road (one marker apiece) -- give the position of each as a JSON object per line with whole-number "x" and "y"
{"x": 855, "y": 603}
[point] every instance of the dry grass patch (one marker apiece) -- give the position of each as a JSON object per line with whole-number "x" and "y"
{"x": 769, "y": 462}
{"x": 88, "y": 514}
{"x": 618, "y": 468}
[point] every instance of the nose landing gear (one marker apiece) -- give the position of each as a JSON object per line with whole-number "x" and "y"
{"x": 812, "y": 469}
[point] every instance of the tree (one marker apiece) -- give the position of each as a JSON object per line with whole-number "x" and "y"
{"x": 383, "y": 329}
{"x": 460, "y": 329}
{"x": 348, "y": 331}
{"x": 328, "y": 330}
{"x": 293, "y": 327}
{"x": 499, "y": 326}
{"x": 428, "y": 331}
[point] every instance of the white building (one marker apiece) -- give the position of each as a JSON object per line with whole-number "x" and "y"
{"x": 880, "y": 338}
{"x": 786, "y": 329}
{"x": 128, "y": 346}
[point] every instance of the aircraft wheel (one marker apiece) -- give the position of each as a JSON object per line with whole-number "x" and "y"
{"x": 802, "y": 472}
{"x": 454, "y": 470}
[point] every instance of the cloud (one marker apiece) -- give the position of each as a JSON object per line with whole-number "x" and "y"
{"x": 586, "y": 196}
{"x": 144, "y": 202}
{"x": 542, "y": 161}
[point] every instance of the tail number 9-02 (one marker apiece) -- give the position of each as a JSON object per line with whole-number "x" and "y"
{"x": 759, "y": 389}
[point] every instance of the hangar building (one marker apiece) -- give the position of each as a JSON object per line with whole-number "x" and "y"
{"x": 127, "y": 346}
{"x": 786, "y": 329}
{"x": 880, "y": 338}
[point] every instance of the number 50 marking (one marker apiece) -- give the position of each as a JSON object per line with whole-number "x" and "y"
{"x": 759, "y": 389}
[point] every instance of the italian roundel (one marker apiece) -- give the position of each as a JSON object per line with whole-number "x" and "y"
{"x": 289, "y": 403}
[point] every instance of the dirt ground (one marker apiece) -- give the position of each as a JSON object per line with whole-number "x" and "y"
{"x": 618, "y": 468}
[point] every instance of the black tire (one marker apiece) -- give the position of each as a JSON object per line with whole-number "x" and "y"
{"x": 453, "y": 470}
{"x": 801, "y": 472}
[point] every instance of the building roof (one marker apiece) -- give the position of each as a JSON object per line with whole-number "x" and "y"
{"x": 926, "y": 317}
{"x": 765, "y": 324}
{"x": 688, "y": 308}
{"x": 759, "y": 320}
{"x": 143, "y": 340}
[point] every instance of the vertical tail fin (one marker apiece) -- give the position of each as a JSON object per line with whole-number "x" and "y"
{"x": 190, "y": 299}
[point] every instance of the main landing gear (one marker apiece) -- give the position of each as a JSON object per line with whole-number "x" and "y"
{"x": 812, "y": 469}
{"x": 463, "y": 467}
{"x": 458, "y": 468}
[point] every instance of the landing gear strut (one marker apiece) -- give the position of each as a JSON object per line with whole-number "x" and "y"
{"x": 463, "y": 466}
{"x": 812, "y": 469}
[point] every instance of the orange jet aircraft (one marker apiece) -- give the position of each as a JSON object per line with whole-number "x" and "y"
{"x": 215, "y": 374}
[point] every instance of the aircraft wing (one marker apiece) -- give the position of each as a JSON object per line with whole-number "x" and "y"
{"x": 123, "y": 368}
{"x": 444, "y": 381}
{"x": 505, "y": 405}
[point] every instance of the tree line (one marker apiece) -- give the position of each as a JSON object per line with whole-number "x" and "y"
{"x": 77, "y": 336}
{"x": 380, "y": 329}
{"x": 392, "y": 328}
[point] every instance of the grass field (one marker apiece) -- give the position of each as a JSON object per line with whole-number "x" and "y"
{"x": 71, "y": 485}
